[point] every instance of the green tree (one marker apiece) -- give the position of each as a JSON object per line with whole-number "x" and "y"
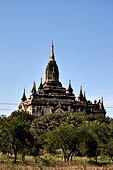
{"x": 108, "y": 146}
{"x": 21, "y": 123}
{"x": 64, "y": 138}
{"x": 38, "y": 141}
{"x": 5, "y": 146}
{"x": 100, "y": 135}
{"x": 20, "y": 136}
{"x": 16, "y": 131}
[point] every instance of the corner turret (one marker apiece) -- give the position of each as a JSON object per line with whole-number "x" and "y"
{"x": 34, "y": 88}
{"x": 80, "y": 97}
{"x": 24, "y": 96}
{"x": 84, "y": 95}
{"x": 70, "y": 90}
{"x": 101, "y": 104}
{"x": 41, "y": 85}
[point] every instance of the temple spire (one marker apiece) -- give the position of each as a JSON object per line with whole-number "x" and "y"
{"x": 41, "y": 85}
{"x": 34, "y": 87}
{"x": 41, "y": 80}
{"x": 52, "y": 52}
{"x": 84, "y": 94}
{"x": 80, "y": 97}
{"x": 80, "y": 90}
{"x": 70, "y": 90}
{"x": 24, "y": 96}
{"x": 102, "y": 100}
{"x": 101, "y": 104}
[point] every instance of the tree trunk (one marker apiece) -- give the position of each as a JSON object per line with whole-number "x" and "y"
{"x": 65, "y": 158}
{"x": 68, "y": 157}
{"x": 36, "y": 159}
{"x": 96, "y": 158}
{"x": 111, "y": 158}
{"x": 23, "y": 157}
{"x": 71, "y": 157}
{"x": 15, "y": 157}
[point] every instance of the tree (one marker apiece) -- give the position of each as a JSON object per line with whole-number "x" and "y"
{"x": 64, "y": 138}
{"x": 108, "y": 146}
{"x": 100, "y": 135}
{"x": 5, "y": 147}
{"x": 38, "y": 141}
{"x": 21, "y": 138}
{"x": 15, "y": 130}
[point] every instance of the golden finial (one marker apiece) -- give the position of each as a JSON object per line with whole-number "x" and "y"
{"x": 34, "y": 85}
{"x": 69, "y": 83}
{"x": 52, "y": 51}
{"x": 52, "y": 42}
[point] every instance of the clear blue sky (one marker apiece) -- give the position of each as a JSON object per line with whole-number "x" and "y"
{"x": 82, "y": 31}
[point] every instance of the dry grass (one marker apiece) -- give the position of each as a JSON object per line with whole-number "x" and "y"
{"x": 50, "y": 162}
{"x": 63, "y": 166}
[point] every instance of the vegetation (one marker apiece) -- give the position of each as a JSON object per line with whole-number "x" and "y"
{"x": 69, "y": 135}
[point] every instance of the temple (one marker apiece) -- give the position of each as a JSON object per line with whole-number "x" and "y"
{"x": 52, "y": 97}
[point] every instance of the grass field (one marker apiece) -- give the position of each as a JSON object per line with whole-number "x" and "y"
{"x": 54, "y": 163}
{"x": 77, "y": 166}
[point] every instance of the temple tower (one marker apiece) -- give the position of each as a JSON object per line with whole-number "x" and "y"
{"x": 52, "y": 72}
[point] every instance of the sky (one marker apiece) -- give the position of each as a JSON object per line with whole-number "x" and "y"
{"x": 82, "y": 31}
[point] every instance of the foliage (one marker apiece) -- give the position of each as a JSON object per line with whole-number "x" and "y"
{"x": 15, "y": 130}
{"x": 70, "y": 133}
{"x": 64, "y": 138}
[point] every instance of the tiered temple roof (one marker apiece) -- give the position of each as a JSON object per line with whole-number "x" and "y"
{"x": 51, "y": 96}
